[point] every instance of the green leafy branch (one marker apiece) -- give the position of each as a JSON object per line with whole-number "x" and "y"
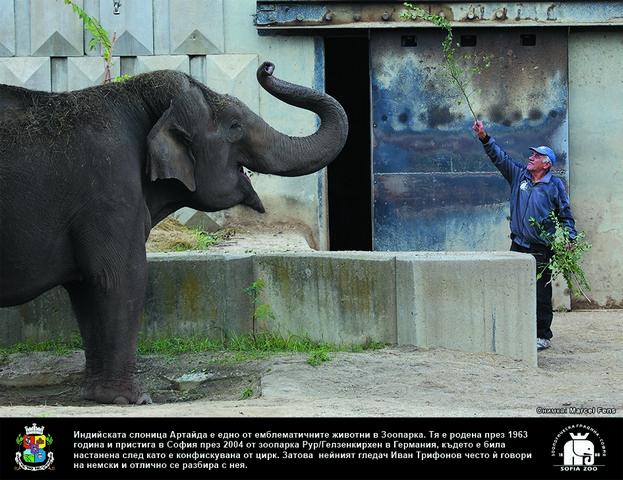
{"x": 99, "y": 37}
{"x": 461, "y": 76}
{"x": 567, "y": 256}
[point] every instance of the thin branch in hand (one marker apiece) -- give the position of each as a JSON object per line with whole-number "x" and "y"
{"x": 462, "y": 77}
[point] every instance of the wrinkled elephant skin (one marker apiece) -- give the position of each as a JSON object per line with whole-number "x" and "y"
{"x": 85, "y": 175}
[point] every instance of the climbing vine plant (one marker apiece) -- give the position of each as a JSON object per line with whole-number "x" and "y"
{"x": 460, "y": 69}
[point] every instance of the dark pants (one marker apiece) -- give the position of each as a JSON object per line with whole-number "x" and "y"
{"x": 544, "y": 310}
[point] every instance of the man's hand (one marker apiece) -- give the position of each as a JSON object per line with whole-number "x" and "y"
{"x": 479, "y": 129}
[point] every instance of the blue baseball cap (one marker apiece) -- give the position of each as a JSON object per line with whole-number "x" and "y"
{"x": 545, "y": 151}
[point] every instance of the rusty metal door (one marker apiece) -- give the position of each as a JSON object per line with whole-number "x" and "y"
{"x": 434, "y": 188}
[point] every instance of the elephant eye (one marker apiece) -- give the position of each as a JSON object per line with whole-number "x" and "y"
{"x": 235, "y": 131}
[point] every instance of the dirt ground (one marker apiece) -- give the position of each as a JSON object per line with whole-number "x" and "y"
{"x": 581, "y": 370}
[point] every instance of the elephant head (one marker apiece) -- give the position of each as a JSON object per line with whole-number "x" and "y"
{"x": 205, "y": 140}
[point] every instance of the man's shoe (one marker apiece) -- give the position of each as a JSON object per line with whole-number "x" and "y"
{"x": 543, "y": 343}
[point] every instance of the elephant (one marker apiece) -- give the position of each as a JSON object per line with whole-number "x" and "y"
{"x": 86, "y": 174}
{"x": 579, "y": 450}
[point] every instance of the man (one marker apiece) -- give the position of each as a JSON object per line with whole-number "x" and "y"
{"x": 535, "y": 193}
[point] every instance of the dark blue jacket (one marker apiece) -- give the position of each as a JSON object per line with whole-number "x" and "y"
{"x": 531, "y": 200}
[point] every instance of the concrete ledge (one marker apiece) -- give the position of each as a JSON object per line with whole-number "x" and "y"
{"x": 474, "y": 302}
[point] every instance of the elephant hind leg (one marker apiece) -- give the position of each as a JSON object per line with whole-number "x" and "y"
{"x": 109, "y": 318}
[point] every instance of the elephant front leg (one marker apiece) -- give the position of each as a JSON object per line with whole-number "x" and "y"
{"x": 109, "y": 319}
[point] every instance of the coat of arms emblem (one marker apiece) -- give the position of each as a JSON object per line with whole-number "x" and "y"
{"x": 34, "y": 450}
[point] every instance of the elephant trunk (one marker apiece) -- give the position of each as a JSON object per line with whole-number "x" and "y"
{"x": 295, "y": 156}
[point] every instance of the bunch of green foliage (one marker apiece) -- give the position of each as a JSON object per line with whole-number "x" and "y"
{"x": 457, "y": 70}
{"x": 567, "y": 256}
{"x": 204, "y": 241}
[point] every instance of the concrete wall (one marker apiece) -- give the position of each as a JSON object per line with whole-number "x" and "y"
{"x": 44, "y": 47}
{"x": 596, "y": 156}
{"x": 472, "y": 302}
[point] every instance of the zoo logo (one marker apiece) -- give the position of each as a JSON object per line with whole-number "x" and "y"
{"x": 579, "y": 447}
{"x": 36, "y": 454}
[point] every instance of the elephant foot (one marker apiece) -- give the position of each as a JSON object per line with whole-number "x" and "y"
{"x": 116, "y": 394}
{"x": 143, "y": 399}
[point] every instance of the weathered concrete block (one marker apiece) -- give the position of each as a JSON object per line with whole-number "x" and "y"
{"x": 468, "y": 301}
{"x": 11, "y": 326}
{"x": 190, "y": 293}
{"x": 332, "y": 297}
{"x": 48, "y": 317}
{"x": 29, "y": 72}
{"x": 187, "y": 293}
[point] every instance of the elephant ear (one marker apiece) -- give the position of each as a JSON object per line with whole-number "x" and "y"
{"x": 169, "y": 155}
